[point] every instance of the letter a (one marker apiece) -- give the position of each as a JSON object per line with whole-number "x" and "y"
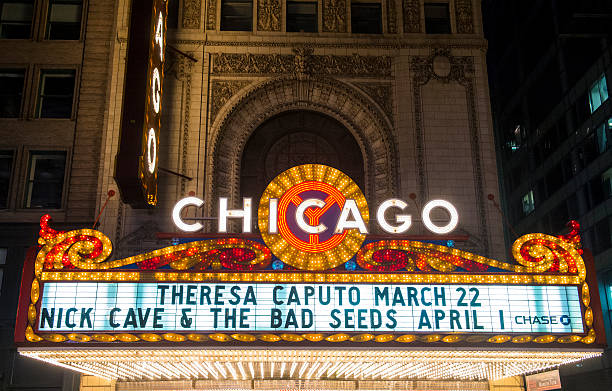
{"x": 350, "y": 208}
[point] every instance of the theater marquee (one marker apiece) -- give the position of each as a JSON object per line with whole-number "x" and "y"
{"x": 315, "y": 278}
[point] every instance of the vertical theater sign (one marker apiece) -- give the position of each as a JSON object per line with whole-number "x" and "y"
{"x": 136, "y": 164}
{"x": 312, "y": 287}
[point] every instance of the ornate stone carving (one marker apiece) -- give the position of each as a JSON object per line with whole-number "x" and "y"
{"x": 395, "y": 44}
{"x": 302, "y": 62}
{"x": 381, "y": 93}
{"x": 391, "y": 17}
{"x": 461, "y": 71}
{"x": 222, "y": 91}
{"x": 412, "y": 16}
{"x": 184, "y": 73}
{"x": 192, "y": 9}
{"x": 211, "y": 15}
{"x": 178, "y": 65}
{"x": 368, "y": 124}
{"x": 334, "y": 16}
{"x": 464, "y": 17}
{"x": 269, "y": 15}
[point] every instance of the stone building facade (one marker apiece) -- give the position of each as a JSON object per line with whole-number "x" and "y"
{"x": 403, "y": 111}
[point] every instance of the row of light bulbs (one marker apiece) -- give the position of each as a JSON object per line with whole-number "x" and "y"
{"x": 309, "y": 364}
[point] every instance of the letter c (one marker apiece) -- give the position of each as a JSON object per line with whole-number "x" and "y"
{"x": 178, "y": 208}
{"x": 516, "y": 319}
{"x": 111, "y": 319}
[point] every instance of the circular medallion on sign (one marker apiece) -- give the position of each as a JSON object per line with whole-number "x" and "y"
{"x": 319, "y": 218}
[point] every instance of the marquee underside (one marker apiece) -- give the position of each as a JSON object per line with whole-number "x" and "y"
{"x": 221, "y": 365}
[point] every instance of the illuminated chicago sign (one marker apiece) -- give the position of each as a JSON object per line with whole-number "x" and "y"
{"x": 313, "y": 276}
{"x": 136, "y": 165}
{"x": 315, "y": 217}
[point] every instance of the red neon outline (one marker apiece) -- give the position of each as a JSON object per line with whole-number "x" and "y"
{"x": 292, "y": 196}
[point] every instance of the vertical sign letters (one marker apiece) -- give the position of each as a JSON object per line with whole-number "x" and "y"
{"x": 136, "y": 164}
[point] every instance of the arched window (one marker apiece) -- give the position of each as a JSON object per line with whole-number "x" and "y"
{"x": 295, "y": 138}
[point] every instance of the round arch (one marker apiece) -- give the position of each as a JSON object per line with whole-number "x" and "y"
{"x": 293, "y": 138}
{"x": 240, "y": 117}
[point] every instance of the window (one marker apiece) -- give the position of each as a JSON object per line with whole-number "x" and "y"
{"x": 603, "y": 133}
{"x": 528, "y": 203}
{"x": 6, "y": 167}
{"x": 45, "y": 181}
{"x": 15, "y": 19}
{"x": 56, "y": 94}
{"x": 437, "y": 18}
{"x": 366, "y": 18}
{"x": 302, "y": 17}
{"x": 3, "y": 253}
{"x": 602, "y": 239}
{"x": 237, "y": 15}
{"x": 554, "y": 179}
{"x": 64, "y": 19}
{"x": 606, "y": 183}
{"x": 11, "y": 92}
{"x": 598, "y": 93}
{"x": 173, "y": 14}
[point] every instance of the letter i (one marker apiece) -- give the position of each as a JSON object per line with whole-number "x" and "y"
{"x": 273, "y": 216}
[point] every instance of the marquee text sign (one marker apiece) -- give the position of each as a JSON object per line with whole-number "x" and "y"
{"x": 242, "y": 307}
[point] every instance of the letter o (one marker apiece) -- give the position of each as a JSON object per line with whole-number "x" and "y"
{"x": 151, "y": 146}
{"x": 454, "y": 216}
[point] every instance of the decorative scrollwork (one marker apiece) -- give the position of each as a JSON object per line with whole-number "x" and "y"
{"x": 73, "y": 249}
{"x": 545, "y": 253}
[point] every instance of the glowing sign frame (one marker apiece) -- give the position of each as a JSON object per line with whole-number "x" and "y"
{"x": 83, "y": 255}
{"x": 288, "y": 185}
{"x": 136, "y": 164}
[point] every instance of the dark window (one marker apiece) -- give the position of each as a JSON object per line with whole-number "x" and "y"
{"x": 554, "y": 179}
{"x": 11, "y": 92}
{"x": 603, "y": 133}
{"x": 528, "y": 203}
{"x": 302, "y": 17}
{"x": 45, "y": 180}
{"x": 237, "y": 15}
{"x": 56, "y": 92}
{"x": 3, "y": 254}
{"x": 366, "y": 18}
{"x": 173, "y": 13}
{"x": 602, "y": 239}
{"x": 64, "y": 19}
{"x": 437, "y": 18}
{"x": 572, "y": 207}
{"x": 6, "y": 167}
{"x": 583, "y": 110}
{"x": 15, "y": 19}
{"x": 558, "y": 217}
{"x": 588, "y": 150}
{"x": 599, "y": 188}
